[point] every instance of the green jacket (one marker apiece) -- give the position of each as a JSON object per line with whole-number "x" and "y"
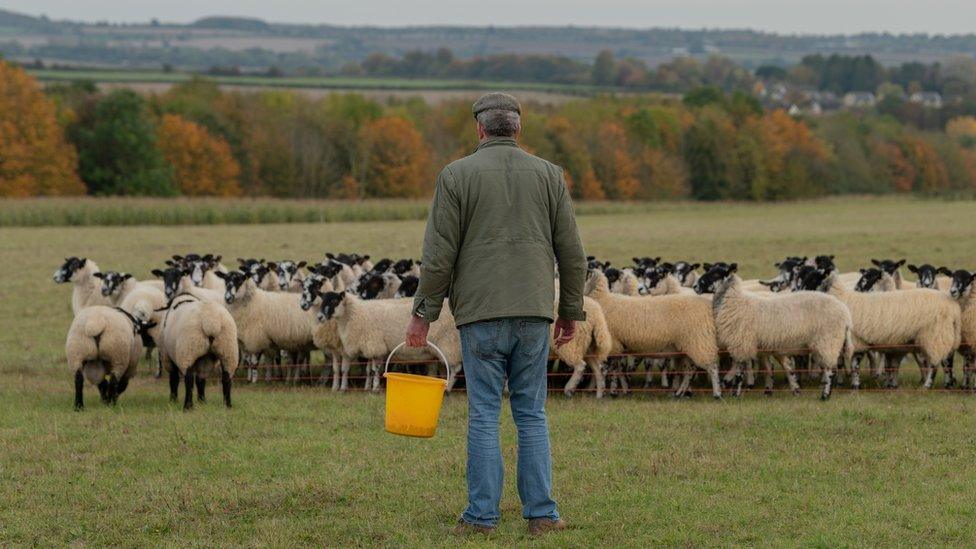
{"x": 500, "y": 220}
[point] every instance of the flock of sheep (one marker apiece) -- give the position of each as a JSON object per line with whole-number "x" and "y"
{"x": 205, "y": 319}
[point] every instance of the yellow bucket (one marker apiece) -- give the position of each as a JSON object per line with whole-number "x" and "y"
{"x": 413, "y": 403}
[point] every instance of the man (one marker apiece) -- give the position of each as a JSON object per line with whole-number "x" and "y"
{"x": 500, "y": 221}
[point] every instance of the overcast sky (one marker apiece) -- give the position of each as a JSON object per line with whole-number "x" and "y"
{"x": 784, "y": 16}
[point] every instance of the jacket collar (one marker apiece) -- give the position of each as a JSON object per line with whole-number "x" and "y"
{"x": 497, "y": 141}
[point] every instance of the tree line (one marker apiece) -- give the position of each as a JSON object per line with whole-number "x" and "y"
{"x": 196, "y": 139}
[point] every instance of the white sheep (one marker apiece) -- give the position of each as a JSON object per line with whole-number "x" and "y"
{"x": 372, "y": 328}
{"x": 590, "y": 346}
{"x": 116, "y": 286}
{"x": 747, "y": 324}
{"x": 681, "y": 323}
{"x": 925, "y": 318}
{"x": 325, "y": 334}
{"x": 198, "y": 338}
{"x": 267, "y": 322}
{"x": 86, "y": 291}
{"x": 961, "y": 289}
{"x": 289, "y": 275}
{"x": 103, "y": 346}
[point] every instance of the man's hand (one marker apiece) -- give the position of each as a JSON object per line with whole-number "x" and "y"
{"x": 417, "y": 332}
{"x": 565, "y": 330}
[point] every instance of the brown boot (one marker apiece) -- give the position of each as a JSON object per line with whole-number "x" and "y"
{"x": 539, "y": 526}
{"x": 466, "y": 529}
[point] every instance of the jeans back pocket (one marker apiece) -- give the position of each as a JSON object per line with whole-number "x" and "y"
{"x": 533, "y": 336}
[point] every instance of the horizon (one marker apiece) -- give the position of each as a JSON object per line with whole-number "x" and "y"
{"x": 763, "y": 16}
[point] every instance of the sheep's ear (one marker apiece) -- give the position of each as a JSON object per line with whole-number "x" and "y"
{"x": 169, "y": 263}
{"x": 943, "y": 270}
{"x": 634, "y": 259}
{"x": 830, "y": 257}
{"x": 301, "y": 264}
{"x": 177, "y": 257}
{"x": 217, "y": 258}
{"x": 99, "y": 275}
{"x": 766, "y": 283}
{"x": 222, "y": 275}
{"x": 272, "y": 265}
{"x": 803, "y": 259}
{"x": 707, "y": 266}
{"x": 126, "y": 276}
{"x": 900, "y": 263}
{"x": 733, "y": 268}
{"x": 778, "y": 265}
{"x": 208, "y": 257}
{"x": 862, "y": 271}
{"x": 329, "y": 255}
{"x": 693, "y": 266}
{"x": 365, "y": 257}
{"x": 913, "y": 268}
{"x": 157, "y": 273}
{"x": 241, "y": 260}
{"x": 875, "y": 262}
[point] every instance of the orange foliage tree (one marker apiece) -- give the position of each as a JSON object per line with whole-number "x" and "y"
{"x": 614, "y": 165}
{"x": 35, "y": 159}
{"x": 203, "y": 164}
{"x": 393, "y": 159}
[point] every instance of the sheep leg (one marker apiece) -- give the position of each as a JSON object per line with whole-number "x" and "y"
{"x": 716, "y": 382}
{"x": 174, "y": 382}
{"x": 336, "y": 370}
{"x": 103, "y": 391}
{"x": 767, "y": 367}
{"x": 856, "y": 372}
{"x": 376, "y": 375}
{"x": 737, "y": 378}
{"x": 947, "y": 364}
{"x": 877, "y": 365}
{"x": 750, "y": 375}
{"x": 597, "y": 368}
{"x": 929, "y": 371}
{"x": 787, "y": 363}
{"x": 122, "y": 386}
{"x": 666, "y": 366}
{"x": 684, "y": 389}
{"x": 201, "y": 389}
{"x": 159, "y": 366}
{"x": 828, "y": 377}
{"x": 345, "y": 374}
{"x": 225, "y": 383}
{"x": 189, "y": 378}
{"x": 968, "y": 372}
{"x": 574, "y": 379}
{"x": 79, "y": 390}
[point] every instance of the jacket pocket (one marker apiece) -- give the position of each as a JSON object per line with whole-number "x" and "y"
{"x": 533, "y": 337}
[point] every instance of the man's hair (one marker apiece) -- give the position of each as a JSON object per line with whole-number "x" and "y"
{"x": 499, "y": 122}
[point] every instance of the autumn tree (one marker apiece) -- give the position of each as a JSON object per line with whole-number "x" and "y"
{"x": 116, "y": 140}
{"x": 393, "y": 159}
{"x": 35, "y": 159}
{"x": 202, "y": 163}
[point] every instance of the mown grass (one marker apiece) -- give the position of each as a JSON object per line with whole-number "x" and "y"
{"x": 305, "y": 466}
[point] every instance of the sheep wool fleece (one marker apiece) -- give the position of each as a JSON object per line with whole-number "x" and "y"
{"x": 500, "y": 220}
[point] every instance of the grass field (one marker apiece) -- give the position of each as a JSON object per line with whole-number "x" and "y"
{"x": 305, "y": 466}
{"x": 328, "y": 82}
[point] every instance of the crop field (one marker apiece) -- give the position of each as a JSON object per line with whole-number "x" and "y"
{"x": 304, "y": 466}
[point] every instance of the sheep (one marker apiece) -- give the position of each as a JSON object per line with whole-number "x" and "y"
{"x": 929, "y": 276}
{"x": 257, "y": 270}
{"x": 289, "y": 275}
{"x": 681, "y": 323}
{"x": 747, "y": 324}
{"x": 686, "y": 273}
{"x": 962, "y": 291}
{"x": 80, "y": 272}
{"x": 626, "y": 282}
{"x": 787, "y": 272}
{"x": 590, "y": 346}
{"x": 372, "y": 328}
{"x": 145, "y": 302}
{"x": 176, "y": 281}
{"x": 342, "y": 275}
{"x": 660, "y": 280}
{"x": 116, "y": 286}
{"x": 378, "y": 286}
{"x": 408, "y": 286}
{"x": 267, "y": 322}
{"x": 197, "y": 337}
{"x": 325, "y": 335}
{"x": 406, "y": 267}
{"x": 878, "y": 279}
{"x": 926, "y": 318}
{"x": 103, "y": 346}
{"x": 201, "y": 269}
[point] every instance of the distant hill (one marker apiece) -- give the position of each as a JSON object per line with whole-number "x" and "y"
{"x": 255, "y": 44}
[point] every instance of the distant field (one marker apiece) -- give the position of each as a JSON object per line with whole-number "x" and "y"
{"x": 307, "y": 467}
{"x": 326, "y": 82}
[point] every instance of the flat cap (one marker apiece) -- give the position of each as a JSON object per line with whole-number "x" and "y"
{"x": 496, "y": 100}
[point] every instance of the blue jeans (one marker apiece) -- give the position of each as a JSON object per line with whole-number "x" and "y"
{"x": 517, "y": 349}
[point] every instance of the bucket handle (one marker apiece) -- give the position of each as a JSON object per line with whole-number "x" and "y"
{"x": 440, "y": 353}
